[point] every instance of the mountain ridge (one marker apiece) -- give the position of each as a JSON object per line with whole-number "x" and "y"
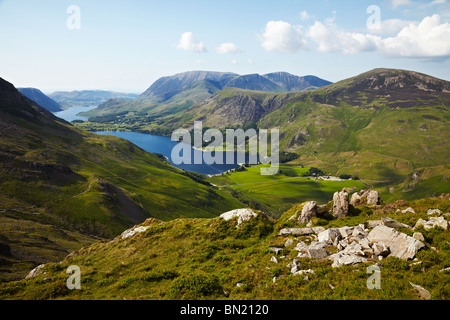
{"x": 41, "y": 99}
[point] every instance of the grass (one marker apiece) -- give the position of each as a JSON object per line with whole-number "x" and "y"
{"x": 280, "y": 192}
{"x": 205, "y": 259}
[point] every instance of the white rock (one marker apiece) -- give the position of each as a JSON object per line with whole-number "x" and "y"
{"x": 35, "y": 272}
{"x": 408, "y": 210}
{"x": 295, "y": 231}
{"x": 421, "y": 291}
{"x": 399, "y": 244}
{"x": 346, "y": 231}
{"x": 273, "y": 259}
{"x": 341, "y": 258}
{"x": 418, "y": 236}
{"x": 433, "y": 212}
{"x": 373, "y": 197}
{"x": 340, "y": 204}
{"x": 309, "y": 210}
{"x": 242, "y": 214}
{"x": 133, "y": 231}
{"x": 373, "y": 223}
{"x": 317, "y": 250}
{"x": 329, "y": 236}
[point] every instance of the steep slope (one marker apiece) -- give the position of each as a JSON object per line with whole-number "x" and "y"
{"x": 86, "y": 98}
{"x": 255, "y": 82}
{"x": 41, "y": 99}
{"x": 53, "y": 175}
{"x": 165, "y": 88}
{"x": 382, "y": 125}
{"x": 173, "y": 94}
{"x": 294, "y": 83}
{"x": 197, "y": 259}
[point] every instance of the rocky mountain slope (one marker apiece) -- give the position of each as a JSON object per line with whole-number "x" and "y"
{"x": 173, "y": 94}
{"x": 347, "y": 249}
{"x": 41, "y": 99}
{"x": 61, "y": 187}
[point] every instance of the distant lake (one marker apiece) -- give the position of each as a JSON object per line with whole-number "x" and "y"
{"x": 71, "y": 113}
{"x": 164, "y": 146}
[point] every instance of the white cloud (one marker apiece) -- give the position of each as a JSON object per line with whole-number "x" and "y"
{"x": 330, "y": 38}
{"x": 304, "y": 15}
{"x": 225, "y": 48}
{"x": 250, "y": 61}
{"x": 398, "y": 3}
{"x": 280, "y": 36}
{"x": 234, "y": 62}
{"x": 428, "y": 39}
{"x": 390, "y": 26}
{"x": 436, "y": 2}
{"x": 187, "y": 42}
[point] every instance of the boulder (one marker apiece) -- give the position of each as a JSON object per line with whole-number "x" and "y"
{"x": 346, "y": 231}
{"x": 317, "y": 250}
{"x": 432, "y": 222}
{"x": 340, "y": 204}
{"x": 380, "y": 249}
{"x": 373, "y": 197}
{"x": 359, "y": 232}
{"x": 295, "y": 231}
{"x": 421, "y": 291}
{"x": 288, "y": 242}
{"x": 330, "y": 236}
{"x": 433, "y": 212}
{"x": 242, "y": 214}
{"x": 356, "y": 197}
{"x": 277, "y": 250}
{"x": 35, "y": 272}
{"x": 318, "y": 230}
{"x": 309, "y": 210}
{"x": 133, "y": 231}
{"x": 301, "y": 246}
{"x": 399, "y": 244}
{"x": 274, "y": 259}
{"x": 408, "y": 210}
{"x": 374, "y": 223}
{"x": 341, "y": 258}
{"x": 391, "y": 223}
{"x": 419, "y": 236}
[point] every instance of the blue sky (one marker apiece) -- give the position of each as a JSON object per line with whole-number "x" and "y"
{"x": 127, "y": 45}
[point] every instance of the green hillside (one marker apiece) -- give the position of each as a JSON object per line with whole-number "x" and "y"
{"x": 53, "y": 175}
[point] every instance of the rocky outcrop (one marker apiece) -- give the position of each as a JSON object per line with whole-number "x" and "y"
{"x": 133, "y": 231}
{"x": 399, "y": 244}
{"x": 369, "y": 197}
{"x": 309, "y": 210}
{"x": 432, "y": 222}
{"x": 35, "y": 272}
{"x": 340, "y": 204}
{"x": 241, "y": 214}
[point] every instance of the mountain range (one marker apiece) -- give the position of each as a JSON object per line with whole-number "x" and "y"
{"x": 87, "y": 98}
{"x": 387, "y": 126}
{"x": 181, "y": 91}
{"x": 41, "y": 99}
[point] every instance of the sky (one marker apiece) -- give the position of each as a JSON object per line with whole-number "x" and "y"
{"x": 127, "y": 45}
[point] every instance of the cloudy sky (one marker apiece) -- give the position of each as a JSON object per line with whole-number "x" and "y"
{"x": 126, "y": 45}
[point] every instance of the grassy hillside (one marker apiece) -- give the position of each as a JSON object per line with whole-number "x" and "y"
{"x": 207, "y": 258}
{"x": 276, "y": 194}
{"x": 53, "y": 175}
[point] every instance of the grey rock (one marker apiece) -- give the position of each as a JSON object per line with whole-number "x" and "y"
{"x": 374, "y": 223}
{"x": 359, "y": 232}
{"x": 419, "y": 236}
{"x": 399, "y": 244}
{"x": 35, "y": 272}
{"x": 330, "y": 236}
{"x": 273, "y": 259}
{"x": 373, "y": 197}
{"x": 317, "y": 250}
{"x": 432, "y": 222}
{"x": 318, "y": 230}
{"x": 355, "y": 198}
{"x": 288, "y": 242}
{"x": 309, "y": 210}
{"x": 380, "y": 249}
{"x": 421, "y": 291}
{"x": 346, "y": 231}
{"x": 340, "y": 204}
{"x": 433, "y": 212}
{"x": 341, "y": 258}
{"x": 391, "y": 223}
{"x": 133, "y": 231}
{"x": 301, "y": 246}
{"x": 242, "y": 214}
{"x": 295, "y": 231}
{"x": 408, "y": 210}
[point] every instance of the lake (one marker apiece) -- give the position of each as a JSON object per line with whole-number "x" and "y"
{"x": 164, "y": 146}
{"x": 71, "y": 113}
{"x": 153, "y": 144}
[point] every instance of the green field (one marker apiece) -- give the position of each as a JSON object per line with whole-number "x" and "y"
{"x": 280, "y": 192}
